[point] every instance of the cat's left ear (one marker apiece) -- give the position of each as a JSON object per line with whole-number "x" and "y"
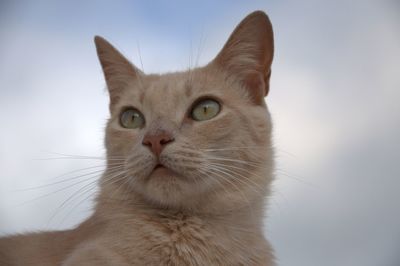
{"x": 248, "y": 54}
{"x": 117, "y": 69}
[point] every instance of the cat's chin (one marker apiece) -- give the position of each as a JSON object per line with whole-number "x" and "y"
{"x": 166, "y": 188}
{"x": 161, "y": 171}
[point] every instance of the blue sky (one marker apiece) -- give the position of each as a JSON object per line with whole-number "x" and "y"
{"x": 334, "y": 100}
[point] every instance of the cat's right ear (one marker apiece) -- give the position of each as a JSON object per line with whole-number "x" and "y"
{"x": 117, "y": 69}
{"x": 248, "y": 54}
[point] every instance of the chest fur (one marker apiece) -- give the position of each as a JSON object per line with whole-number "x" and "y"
{"x": 184, "y": 241}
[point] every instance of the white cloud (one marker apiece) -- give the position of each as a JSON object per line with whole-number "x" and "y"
{"x": 334, "y": 100}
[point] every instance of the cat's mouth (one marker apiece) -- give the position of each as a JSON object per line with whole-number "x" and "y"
{"x": 158, "y": 166}
{"x": 162, "y": 170}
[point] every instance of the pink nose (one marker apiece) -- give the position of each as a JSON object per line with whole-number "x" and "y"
{"x": 157, "y": 142}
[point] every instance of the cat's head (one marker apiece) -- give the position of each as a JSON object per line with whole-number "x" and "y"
{"x": 202, "y": 134}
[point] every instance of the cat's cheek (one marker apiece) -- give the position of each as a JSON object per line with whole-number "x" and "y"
{"x": 210, "y": 132}
{"x": 121, "y": 142}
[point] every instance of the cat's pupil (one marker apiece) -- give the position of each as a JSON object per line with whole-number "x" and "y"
{"x": 205, "y": 109}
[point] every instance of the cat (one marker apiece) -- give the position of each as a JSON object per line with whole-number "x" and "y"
{"x": 189, "y": 165}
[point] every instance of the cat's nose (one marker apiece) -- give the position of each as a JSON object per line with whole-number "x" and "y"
{"x": 157, "y": 141}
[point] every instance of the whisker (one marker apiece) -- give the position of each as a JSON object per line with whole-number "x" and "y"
{"x": 236, "y": 148}
{"x": 84, "y": 189}
{"x": 221, "y": 175}
{"x": 77, "y": 158}
{"x": 122, "y": 185}
{"x": 227, "y": 174}
{"x": 256, "y": 164}
{"x": 62, "y": 189}
{"x": 79, "y": 170}
{"x": 285, "y": 152}
{"x": 242, "y": 179}
{"x": 69, "y": 179}
{"x": 297, "y": 178}
{"x": 69, "y": 154}
{"x": 200, "y": 48}
{"x": 210, "y": 174}
{"x": 223, "y": 166}
{"x": 85, "y": 156}
{"x": 77, "y": 205}
{"x": 140, "y": 55}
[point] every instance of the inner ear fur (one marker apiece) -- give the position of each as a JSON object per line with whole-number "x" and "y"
{"x": 116, "y": 68}
{"x": 248, "y": 54}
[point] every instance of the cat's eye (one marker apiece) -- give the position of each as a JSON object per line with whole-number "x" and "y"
{"x": 131, "y": 118}
{"x": 205, "y": 110}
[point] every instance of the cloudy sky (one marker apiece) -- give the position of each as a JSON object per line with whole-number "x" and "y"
{"x": 334, "y": 99}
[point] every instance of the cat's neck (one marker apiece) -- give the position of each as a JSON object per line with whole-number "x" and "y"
{"x": 118, "y": 201}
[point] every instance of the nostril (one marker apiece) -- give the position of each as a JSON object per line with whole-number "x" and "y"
{"x": 157, "y": 142}
{"x": 147, "y": 143}
{"x": 166, "y": 141}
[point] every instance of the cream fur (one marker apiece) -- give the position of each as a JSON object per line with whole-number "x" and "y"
{"x": 209, "y": 209}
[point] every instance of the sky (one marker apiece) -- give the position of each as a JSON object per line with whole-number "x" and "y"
{"x": 334, "y": 100}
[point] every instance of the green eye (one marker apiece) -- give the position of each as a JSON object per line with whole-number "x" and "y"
{"x": 131, "y": 118}
{"x": 205, "y": 110}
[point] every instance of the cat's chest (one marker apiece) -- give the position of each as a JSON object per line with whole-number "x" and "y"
{"x": 179, "y": 240}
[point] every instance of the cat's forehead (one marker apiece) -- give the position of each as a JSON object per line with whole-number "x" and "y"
{"x": 164, "y": 94}
{"x": 167, "y": 87}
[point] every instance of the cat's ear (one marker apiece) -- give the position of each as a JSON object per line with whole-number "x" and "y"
{"x": 117, "y": 69}
{"x": 248, "y": 53}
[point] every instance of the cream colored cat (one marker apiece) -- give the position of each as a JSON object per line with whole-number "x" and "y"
{"x": 189, "y": 165}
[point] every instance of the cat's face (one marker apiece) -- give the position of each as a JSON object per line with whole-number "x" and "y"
{"x": 199, "y": 134}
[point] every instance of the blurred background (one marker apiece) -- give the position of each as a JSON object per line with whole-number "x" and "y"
{"x": 334, "y": 99}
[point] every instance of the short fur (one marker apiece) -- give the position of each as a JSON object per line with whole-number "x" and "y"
{"x": 207, "y": 208}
